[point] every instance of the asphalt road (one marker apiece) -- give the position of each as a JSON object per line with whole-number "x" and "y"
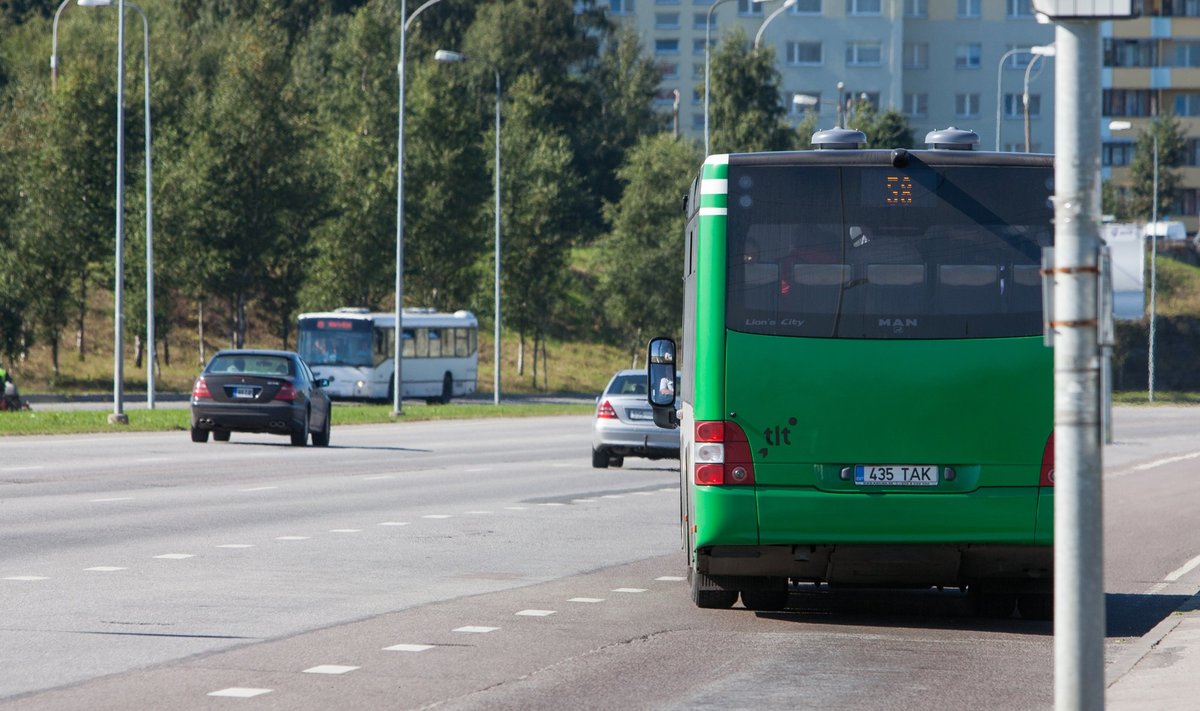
{"x": 485, "y": 564}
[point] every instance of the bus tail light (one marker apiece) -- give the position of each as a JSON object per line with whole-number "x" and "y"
{"x": 286, "y": 391}
{"x": 722, "y": 455}
{"x": 200, "y": 389}
{"x": 606, "y": 411}
{"x": 1047, "y": 475}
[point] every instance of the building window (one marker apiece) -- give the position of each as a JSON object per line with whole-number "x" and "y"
{"x": 697, "y": 122}
{"x": 968, "y": 56}
{"x": 1130, "y": 53}
{"x": 1014, "y": 107}
{"x": 864, "y": 54}
{"x": 746, "y": 7}
{"x": 699, "y": 20}
{"x": 916, "y": 105}
{"x": 1187, "y": 104}
{"x": 666, "y": 2}
{"x": 664, "y": 97}
{"x": 850, "y": 98}
{"x": 621, "y": 7}
{"x": 806, "y": 7}
{"x": 1187, "y": 54}
{"x": 916, "y": 55}
{"x": 1116, "y": 153}
{"x": 864, "y": 7}
{"x": 966, "y": 105}
{"x": 1181, "y": 8}
{"x": 697, "y": 95}
{"x": 666, "y": 46}
{"x": 666, "y": 20}
{"x": 805, "y": 54}
{"x": 968, "y": 8}
{"x": 1128, "y": 102}
{"x": 916, "y": 8}
{"x": 1187, "y": 202}
{"x": 668, "y": 70}
{"x": 1192, "y": 152}
{"x": 1020, "y": 8}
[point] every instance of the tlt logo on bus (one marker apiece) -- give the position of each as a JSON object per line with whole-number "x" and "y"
{"x": 777, "y": 436}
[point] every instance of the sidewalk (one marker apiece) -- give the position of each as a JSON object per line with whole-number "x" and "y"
{"x": 1166, "y": 677}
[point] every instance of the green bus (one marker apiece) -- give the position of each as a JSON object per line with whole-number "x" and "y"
{"x": 866, "y": 397}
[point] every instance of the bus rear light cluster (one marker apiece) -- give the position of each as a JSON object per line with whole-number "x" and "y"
{"x": 721, "y": 455}
{"x": 606, "y": 411}
{"x": 1047, "y": 474}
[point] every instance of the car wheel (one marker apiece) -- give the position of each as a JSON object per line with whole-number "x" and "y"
{"x": 710, "y": 599}
{"x": 300, "y": 436}
{"x": 321, "y": 439}
{"x": 199, "y": 435}
{"x": 616, "y": 461}
{"x": 599, "y": 459}
{"x": 219, "y": 436}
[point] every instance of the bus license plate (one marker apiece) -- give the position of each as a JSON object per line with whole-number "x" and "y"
{"x": 896, "y": 475}
{"x": 243, "y": 393}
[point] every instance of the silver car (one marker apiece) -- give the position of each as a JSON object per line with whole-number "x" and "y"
{"x": 624, "y": 424}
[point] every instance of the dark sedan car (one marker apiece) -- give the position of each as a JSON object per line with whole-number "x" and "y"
{"x": 260, "y": 391}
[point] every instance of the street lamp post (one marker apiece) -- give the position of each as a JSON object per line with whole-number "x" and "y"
{"x": 999, "y": 77}
{"x": 762, "y": 28}
{"x": 1038, "y": 53}
{"x": 1125, "y": 126}
{"x": 399, "y": 333}
{"x": 445, "y": 55}
{"x": 841, "y": 87}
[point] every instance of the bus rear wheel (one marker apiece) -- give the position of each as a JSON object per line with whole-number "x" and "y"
{"x": 707, "y": 598}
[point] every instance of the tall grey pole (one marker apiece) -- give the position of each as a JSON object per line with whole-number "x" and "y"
{"x": 1153, "y": 263}
{"x": 496, "y": 375}
{"x": 150, "y": 357}
{"x": 1078, "y": 555}
{"x": 999, "y": 80}
{"x": 399, "y": 334}
{"x": 118, "y": 415}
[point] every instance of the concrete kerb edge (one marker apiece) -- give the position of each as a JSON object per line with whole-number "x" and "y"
{"x": 1125, "y": 663}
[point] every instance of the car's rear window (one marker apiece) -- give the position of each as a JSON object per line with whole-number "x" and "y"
{"x": 628, "y": 385}
{"x": 250, "y": 365}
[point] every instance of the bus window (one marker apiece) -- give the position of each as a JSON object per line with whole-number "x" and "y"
{"x": 435, "y": 342}
{"x": 408, "y": 350}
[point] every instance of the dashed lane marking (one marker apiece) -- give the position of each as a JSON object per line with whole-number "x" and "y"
{"x": 292, "y": 538}
{"x": 437, "y": 516}
{"x": 378, "y": 478}
{"x": 329, "y": 669}
{"x": 105, "y": 569}
{"x": 534, "y": 613}
{"x": 586, "y": 599}
{"x": 27, "y": 578}
{"x": 23, "y": 468}
{"x": 153, "y": 459}
{"x": 394, "y": 523}
{"x": 345, "y": 530}
{"x": 583, "y": 501}
{"x": 115, "y": 498}
{"x": 515, "y": 508}
{"x": 175, "y": 556}
{"x": 613, "y": 496}
{"x": 643, "y": 493}
{"x": 670, "y": 578}
{"x": 553, "y": 503}
{"x": 408, "y": 648}
{"x": 629, "y": 590}
{"x": 260, "y": 488}
{"x": 476, "y": 513}
{"x": 473, "y": 629}
{"x": 236, "y": 545}
{"x": 240, "y": 692}
{"x": 476, "y": 470}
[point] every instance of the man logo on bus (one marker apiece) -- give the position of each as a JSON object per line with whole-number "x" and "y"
{"x": 898, "y": 324}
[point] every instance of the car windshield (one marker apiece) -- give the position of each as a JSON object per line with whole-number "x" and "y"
{"x": 250, "y": 365}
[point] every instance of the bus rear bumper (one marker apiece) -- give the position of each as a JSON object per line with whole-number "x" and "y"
{"x": 1006, "y": 567}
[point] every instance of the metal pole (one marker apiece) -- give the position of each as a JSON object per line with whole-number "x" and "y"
{"x": 118, "y": 415}
{"x": 150, "y": 358}
{"x": 840, "y": 103}
{"x": 1025, "y": 97}
{"x": 399, "y": 334}
{"x": 54, "y": 46}
{"x": 999, "y": 79}
{"x": 496, "y": 355}
{"x": 1153, "y": 261}
{"x": 1078, "y": 557}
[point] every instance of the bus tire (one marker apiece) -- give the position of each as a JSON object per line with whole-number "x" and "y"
{"x": 447, "y": 389}
{"x": 708, "y": 598}
{"x": 1036, "y": 606}
{"x": 600, "y": 458}
{"x": 766, "y": 600}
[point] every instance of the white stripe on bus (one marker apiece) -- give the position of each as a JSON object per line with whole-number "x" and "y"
{"x": 713, "y": 211}
{"x": 714, "y": 186}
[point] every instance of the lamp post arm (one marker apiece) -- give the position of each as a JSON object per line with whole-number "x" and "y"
{"x": 762, "y": 28}
{"x": 999, "y": 77}
{"x": 54, "y": 46}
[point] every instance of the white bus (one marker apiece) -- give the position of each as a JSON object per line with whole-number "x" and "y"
{"x": 355, "y": 350}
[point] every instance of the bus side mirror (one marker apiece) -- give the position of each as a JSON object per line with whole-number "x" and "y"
{"x": 660, "y": 382}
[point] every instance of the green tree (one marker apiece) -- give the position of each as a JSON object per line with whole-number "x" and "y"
{"x": 644, "y": 251}
{"x": 1172, "y": 149}
{"x": 888, "y": 129}
{"x": 745, "y": 112}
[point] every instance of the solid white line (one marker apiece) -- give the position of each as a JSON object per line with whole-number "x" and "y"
{"x": 117, "y": 498}
{"x": 25, "y": 468}
{"x": 26, "y": 578}
{"x": 175, "y": 556}
{"x": 239, "y": 692}
{"x": 329, "y": 669}
{"x": 408, "y": 648}
{"x": 1156, "y": 588}
{"x": 105, "y": 569}
{"x": 643, "y": 493}
{"x": 472, "y": 629}
{"x": 260, "y": 488}
{"x": 535, "y": 613}
{"x": 1182, "y": 570}
{"x": 1153, "y": 465}
{"x": 613, "y": 496}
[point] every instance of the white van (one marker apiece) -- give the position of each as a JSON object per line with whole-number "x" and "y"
{"x": 1170, "y": 234}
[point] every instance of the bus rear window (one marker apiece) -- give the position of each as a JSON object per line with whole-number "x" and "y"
{"x": 872, "y": 252}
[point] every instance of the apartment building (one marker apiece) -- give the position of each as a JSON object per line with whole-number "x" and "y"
{"x": 1151, "y": 67}
{"x": 935, "y": 60}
